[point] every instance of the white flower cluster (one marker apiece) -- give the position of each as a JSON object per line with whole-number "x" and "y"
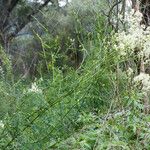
{"x": 1, "y": 124}
{"x": 135, "y": 37}
{"x": 130, "y": 72}
{"x": 143, "y": 79}
{"x": 1, "y": 71}
{"x": 34, "y": 88}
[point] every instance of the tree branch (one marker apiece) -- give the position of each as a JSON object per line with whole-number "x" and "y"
{"x": 27, "y": 19}
{"x": 11, "y": 4}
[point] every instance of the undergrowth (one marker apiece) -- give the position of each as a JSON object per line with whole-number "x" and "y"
{"x": 93, "y": 107}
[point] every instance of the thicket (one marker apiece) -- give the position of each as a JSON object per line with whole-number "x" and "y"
{"x": 96, "y": 105}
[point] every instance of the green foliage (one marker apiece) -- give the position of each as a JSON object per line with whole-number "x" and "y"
{"x": 91, "y": 107}
{"x": 88, "y": 108}
{"x": 61, "y": 38}
{"x": 117, "y": 130}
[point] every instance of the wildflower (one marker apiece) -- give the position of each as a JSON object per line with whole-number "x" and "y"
{"x": 34, "y": 88}
{"x": 146, "y": 49}
{"x": 145, "y": 80}
{"x": 130, "y": 71}
{"x": 1, "y": 124}
{"x": 134, "y": 37}
{"x": 1, "y": 71}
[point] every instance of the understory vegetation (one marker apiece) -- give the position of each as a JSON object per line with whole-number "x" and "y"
{"x": 80, "y": 94}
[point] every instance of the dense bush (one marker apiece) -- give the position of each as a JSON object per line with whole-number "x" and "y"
{"x": 65, "y": 33}
{"x": 96, "y": 105}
